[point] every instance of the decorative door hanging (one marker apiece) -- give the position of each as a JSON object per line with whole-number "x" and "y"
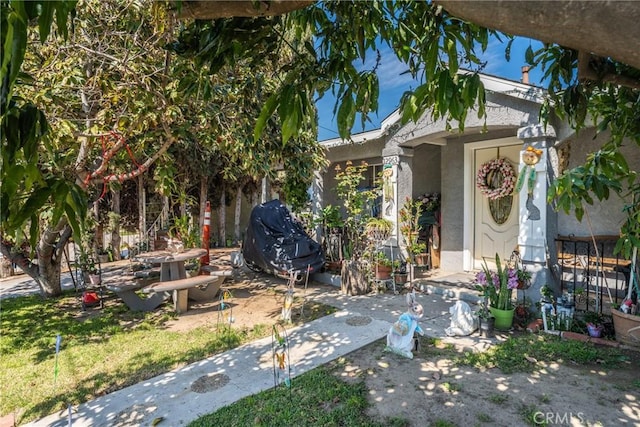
{"x": 496, "y": 180}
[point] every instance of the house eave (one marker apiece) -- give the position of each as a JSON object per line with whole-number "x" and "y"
{"x": 511, "y": 88}
{"x": 363, "y": 137}
{"x": 491, "y": 84}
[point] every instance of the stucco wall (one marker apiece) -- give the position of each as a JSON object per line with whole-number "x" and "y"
{"x": 426, "y": 169}
{"x": 452, "y": 207}
{"x": 607, "y": 216}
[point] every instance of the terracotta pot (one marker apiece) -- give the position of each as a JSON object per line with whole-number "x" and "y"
{"x": 383, "y": 272}
{"x": 334, "y": 266}
{"x": 422, "y": 259}
{"x": 400, "y": 278}
{"x": 627, "y": 328}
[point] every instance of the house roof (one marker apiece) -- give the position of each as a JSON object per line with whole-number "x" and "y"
{"x": 492, "y": 84}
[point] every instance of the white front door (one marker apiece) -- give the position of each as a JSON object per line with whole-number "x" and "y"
{"x": 495, "y": 223}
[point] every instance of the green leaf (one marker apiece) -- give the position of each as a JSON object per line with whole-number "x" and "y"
{"x": 346, "y": 115}
{"x": 453, "y": 57}
{"x": 265, "y": 113}
{"x": 507, "y": 50}
{"x": 17, "y": 47}
{"x": 34, "y": 202}
{"x": 45, "y": 19}
{"x": 528, "y": 55}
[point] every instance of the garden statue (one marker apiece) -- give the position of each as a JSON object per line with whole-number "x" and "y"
{"x": 400, "y": 339}
{"x": 463, "y": 321}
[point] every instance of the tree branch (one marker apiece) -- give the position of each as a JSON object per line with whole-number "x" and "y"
{"x": 228, "y": 9}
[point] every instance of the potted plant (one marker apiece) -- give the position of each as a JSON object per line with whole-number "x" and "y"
{"x": 594, "y": 330}
{"x": 378, "y": 229}
{"x": 409, "y": 216}
{"x": 382, "y": 266}
{"x": 106, "y": 255}
{"x": 331, "y": 223}
{"x": 497, "y": 288}
{"x": 524, "y": 276}
{"x": 522, "y": 313}
{"x": 400, "y": 275}
{"x": 89, "y": 269}
{"x": 486, "y": 319}
{"x": 626, "y": 323}
{"x": 547, "y": 294}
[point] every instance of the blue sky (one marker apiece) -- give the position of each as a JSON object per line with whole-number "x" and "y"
{"x": 393, "y": 84}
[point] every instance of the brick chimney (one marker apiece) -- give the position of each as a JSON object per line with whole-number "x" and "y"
{"x": 525, "y": 74}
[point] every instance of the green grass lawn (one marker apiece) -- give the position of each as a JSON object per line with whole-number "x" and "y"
{"x": 316, "y": 398}
{"x": 101, "y": 352}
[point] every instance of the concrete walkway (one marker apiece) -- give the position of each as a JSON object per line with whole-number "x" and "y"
{"x": 181, "y": 396}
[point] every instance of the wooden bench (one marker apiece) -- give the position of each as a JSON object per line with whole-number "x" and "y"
{"x": 182, "y": 289}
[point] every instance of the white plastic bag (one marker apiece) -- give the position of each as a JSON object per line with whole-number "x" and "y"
{"x": 463, "y": 320}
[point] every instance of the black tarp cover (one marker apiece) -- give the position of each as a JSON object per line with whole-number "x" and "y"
{"x": 276, "y": 243}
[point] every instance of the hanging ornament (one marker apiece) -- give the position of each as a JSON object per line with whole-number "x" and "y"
{"x": 530, "y": 157}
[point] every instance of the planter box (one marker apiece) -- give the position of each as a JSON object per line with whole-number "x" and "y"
{"x": 400, "y": 278}
{"x": 382, "y": 272}
{"x": 422, "y": 260}
{"x": 333, "y": 266}
{"x": 627, "y": 327}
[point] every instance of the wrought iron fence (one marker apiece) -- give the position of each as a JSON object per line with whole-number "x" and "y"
{"x": 592, "y": 274}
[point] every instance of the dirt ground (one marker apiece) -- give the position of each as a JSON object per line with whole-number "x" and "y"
{"x": 431, "y": 387}
{"x": 250, "y": 299}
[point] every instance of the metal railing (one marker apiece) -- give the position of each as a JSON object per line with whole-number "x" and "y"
{"x": 592, "y": 273}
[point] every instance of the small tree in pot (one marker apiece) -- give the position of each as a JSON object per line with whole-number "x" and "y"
{"x": 356, "y": 203}
{"x": 409, "y": 228}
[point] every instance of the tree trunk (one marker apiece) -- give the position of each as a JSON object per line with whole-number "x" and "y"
{"x": 50, "y": 253}
{"x": 164, "y": 221}
{"x": 209, "y": 10}
{"x": 204, "y": 184}
{"x": 183, "y": 200}
{"x": 266, "y": 189}
{"x": 353, "y": 278}
{"x": 222, "y": 220}
{"x": 99, "y": 231}
{"x": 115, "y": 231}
{"x": 238, "y": 212}
{"x": 142, "y": 210}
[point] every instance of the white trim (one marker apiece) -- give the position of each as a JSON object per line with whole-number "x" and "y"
{"x": 469, "y": 188}
{"x": 511, "y": 88}
{"x": 361, "y": 138}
